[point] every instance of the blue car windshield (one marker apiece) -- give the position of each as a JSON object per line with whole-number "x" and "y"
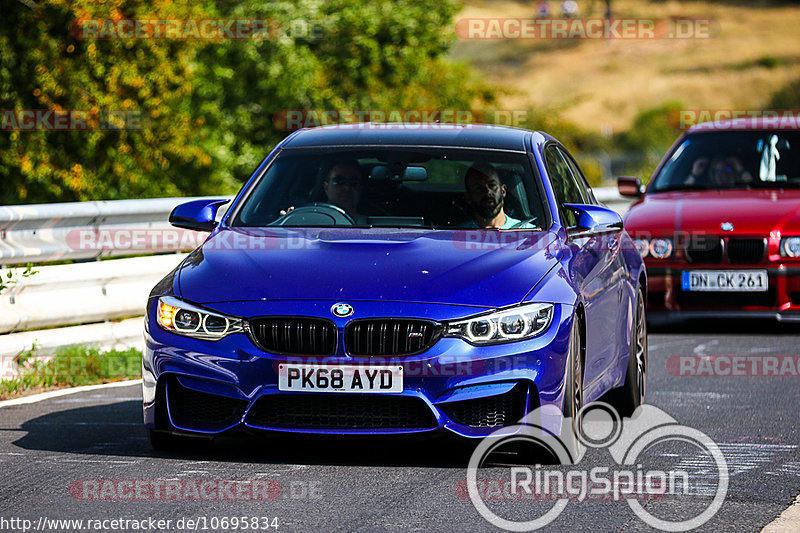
{"x": 393, "y": 187}
{"x": 732, "y": 160}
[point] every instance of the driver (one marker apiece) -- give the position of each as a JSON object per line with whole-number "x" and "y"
{"x": 725, "y": 172}
{"x": 342, "y": 188}
{"x": 485, "y": 196}
{"x": 729, "y": 171}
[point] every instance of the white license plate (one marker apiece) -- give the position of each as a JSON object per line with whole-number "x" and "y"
{"x": 340, "y": 378}
{"x": 725, "y": 280}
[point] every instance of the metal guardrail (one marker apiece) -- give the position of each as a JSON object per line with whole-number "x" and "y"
{"x": 611, "y": 197}
{"x": 94, "y": 293}
{"x": 82, "y": 293}
{"x": 86, "y": 230}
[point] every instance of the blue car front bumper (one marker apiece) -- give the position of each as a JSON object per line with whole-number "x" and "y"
{"x": 210, "y": 388}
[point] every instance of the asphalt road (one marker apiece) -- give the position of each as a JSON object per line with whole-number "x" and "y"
{"x": 59, "y": 456}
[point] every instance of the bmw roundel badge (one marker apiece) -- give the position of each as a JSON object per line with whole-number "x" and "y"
{"x": 342, "y": 309}
{"x": 726, "y": 226}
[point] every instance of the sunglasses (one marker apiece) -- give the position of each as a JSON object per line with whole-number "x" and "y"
{"x": 344, "y": 180}
{"x": 724, "y": 170}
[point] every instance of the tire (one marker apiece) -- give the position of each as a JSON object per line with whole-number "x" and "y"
{"x": 633, "y": 392}
{"x": 573, "y": 394}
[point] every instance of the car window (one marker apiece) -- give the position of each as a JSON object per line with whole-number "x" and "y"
{"x": 388, "y": 186}
{"x": 580, "y": 179}
{"x": 732, "y": 160}
{"x": 564, "y": 185}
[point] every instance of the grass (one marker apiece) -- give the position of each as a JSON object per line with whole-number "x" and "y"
{"x": 70, "y": 367}
{"x": 601, "y": 85}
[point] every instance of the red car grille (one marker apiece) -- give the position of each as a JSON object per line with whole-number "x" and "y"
{"x": 709, "y": 250}
{"x": 704, "y": 250}
{"x": 746, "y": 250}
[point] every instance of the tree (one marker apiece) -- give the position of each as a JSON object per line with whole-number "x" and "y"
{"x": 207, "y": 107}
{"x": 45, "y": 67}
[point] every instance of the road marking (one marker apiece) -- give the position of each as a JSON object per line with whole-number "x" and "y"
{"x": 791, "y": 467}
{"x": 787, "y": 522}
{"x": 63, "y": 392}
{"x": 741, "y": 458}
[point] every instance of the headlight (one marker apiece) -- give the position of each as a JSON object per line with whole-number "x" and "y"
{"x": 790, "y": 247}
{"x": 642, "y": 246}
{"x": 189, "y": 320}
{"x": 516, "y": 323}
{"x": 659, "y": 248}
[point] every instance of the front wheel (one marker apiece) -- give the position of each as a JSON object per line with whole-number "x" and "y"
{"x": 573, "y": 394}
{"x": 633, "y": 393}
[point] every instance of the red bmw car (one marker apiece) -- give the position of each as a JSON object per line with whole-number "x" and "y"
{"x": 719, "y": 223}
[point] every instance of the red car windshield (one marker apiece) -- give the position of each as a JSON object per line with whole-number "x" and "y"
{"x": 732, "y": 160}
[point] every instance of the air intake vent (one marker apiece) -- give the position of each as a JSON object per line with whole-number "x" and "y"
{"x": 492, "y": 411}
{"x": 746, "y": 250}
{"x": 389, "y": 337}
{"x": 348, "y": 411}
{"x": 704, "y": 250}
{"x": 294, "y": 336}
{"x": 190, "y": 408}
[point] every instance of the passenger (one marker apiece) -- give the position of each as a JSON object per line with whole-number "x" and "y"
{"x": 699, "y": 175}
{"x": 485, "y": 197}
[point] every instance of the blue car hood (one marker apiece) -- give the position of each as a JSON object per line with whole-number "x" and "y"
{"x": 461, "y": 267}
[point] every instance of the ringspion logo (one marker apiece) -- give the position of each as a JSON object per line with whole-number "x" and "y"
{"x": 646, "y": 450}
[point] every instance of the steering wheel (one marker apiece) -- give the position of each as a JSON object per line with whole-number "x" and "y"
{"x": 315, "y": 214}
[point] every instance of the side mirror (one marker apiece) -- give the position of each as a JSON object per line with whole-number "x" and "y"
{"x": 630, "y": 186}
{"x": 595, "y": 219}
{"x": 197, "y": 215}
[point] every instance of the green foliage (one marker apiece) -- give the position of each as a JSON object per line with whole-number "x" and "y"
{"x": 786, "y": 98}
{"x": 44, "y": 66}
{"x": 10, "y": 277}
{"x": 650, "y": 136}
{"x": 352, "y": 56}
{"x": 584, "y": 145}
{"x": 207, "y": 107}
{"x": 72, "y": 366}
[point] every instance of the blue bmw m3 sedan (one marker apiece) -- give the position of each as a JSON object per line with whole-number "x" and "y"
{"x": 397, "y": 279}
